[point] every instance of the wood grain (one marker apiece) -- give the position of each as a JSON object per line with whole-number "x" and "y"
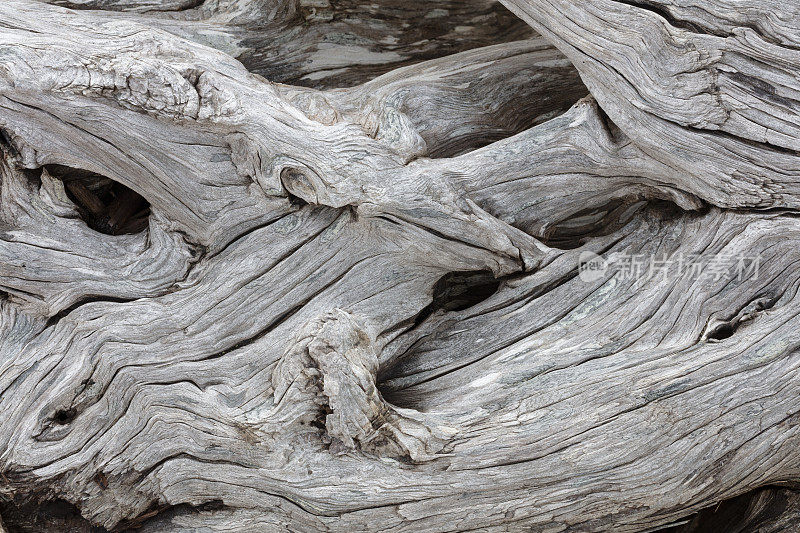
{"x": 359, "y": 301}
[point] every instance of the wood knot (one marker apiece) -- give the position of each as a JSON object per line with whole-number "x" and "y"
{"x": 331, "y": 368}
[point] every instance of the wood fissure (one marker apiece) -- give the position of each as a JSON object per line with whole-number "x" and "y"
{"x": 313, "y": 265}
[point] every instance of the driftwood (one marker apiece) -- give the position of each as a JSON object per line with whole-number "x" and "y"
{"x": 767, "y": 510}
{"x": 399, "y": 302}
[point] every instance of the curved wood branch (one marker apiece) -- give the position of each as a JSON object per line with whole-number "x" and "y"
{"x": 320, "y": 43}
{"x": 715, "y": 99}
{"x": 369, "y": 308}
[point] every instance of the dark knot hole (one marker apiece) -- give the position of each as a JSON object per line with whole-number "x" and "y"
{"x": 105, "y": 205}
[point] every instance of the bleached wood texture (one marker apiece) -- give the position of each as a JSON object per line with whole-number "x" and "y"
{"x": 767, "y": 510}
{"x": 707, "y": 87}
{"x": 323, "y": 43}
{"x": 355, "y": 303}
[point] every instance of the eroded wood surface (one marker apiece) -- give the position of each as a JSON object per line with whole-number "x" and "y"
{"x": 356, "y": 305}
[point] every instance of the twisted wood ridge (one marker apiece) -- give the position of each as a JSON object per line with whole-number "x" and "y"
{"x": 315, "y": 265}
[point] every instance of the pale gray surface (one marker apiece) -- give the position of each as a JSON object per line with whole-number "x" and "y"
{"x": 267, "y": 342}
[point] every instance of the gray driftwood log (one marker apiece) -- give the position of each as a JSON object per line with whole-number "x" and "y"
{"x": 355, "y": 302}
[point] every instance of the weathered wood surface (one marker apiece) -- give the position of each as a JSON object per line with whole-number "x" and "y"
{"x": 323, "y": 43}
{"x": 359, "y": 308}
{"x": 709, "y": 88}
{"x": 767, "y": 510}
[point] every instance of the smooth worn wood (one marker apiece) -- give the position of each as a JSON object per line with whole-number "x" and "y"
{"x": 359, "y": 301}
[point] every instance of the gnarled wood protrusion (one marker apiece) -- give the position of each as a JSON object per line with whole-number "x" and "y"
{"x": 329, "y": 372}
